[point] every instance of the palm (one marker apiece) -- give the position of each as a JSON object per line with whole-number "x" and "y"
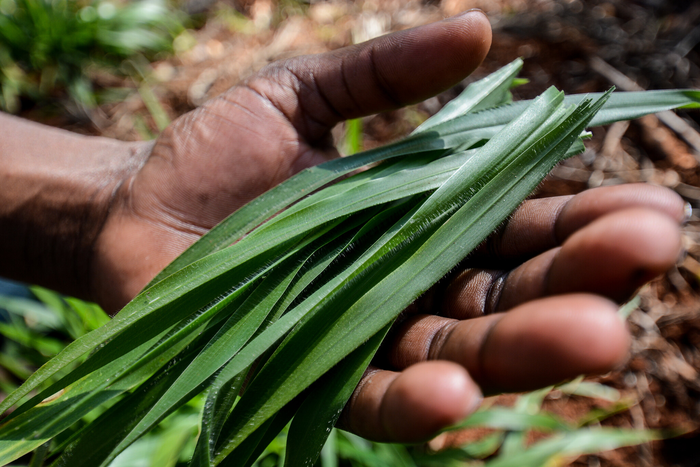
{"x": 215, "y": 160}
{"x": 203, "y": 167}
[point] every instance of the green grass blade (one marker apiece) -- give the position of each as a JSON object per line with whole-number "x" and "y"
{"x": 142, "y": 355}
{"x": 631, "y": 105}
{"x": 94, "y": 443}
{"x": 324, "y": 403}
{"x": 475, "y": 97}
{"x": 574, "y": 444}
{"x": 483, "y": 94}
{"x": 220, "y": 398}
{"x": 286, "y": 193}
{"x": 168, "y": 302}
{"x": 591, "y": 389}
{"x": 529, "y": 403}
{"x": 462, "y": 131}
{"x": 305, "y": 280}
{"x": 248, "y": 452}
{"x": 471, "y": 129}
{"x": 503, "y": 418}
{"x": 20, "y": 433}
{"x": 29, "y": 430}
{"x": 231, "y": 337}
{"x": 353, "y": 136}
{"x": 89, "y": 398}
{"x": 415, "y": 178}
{"x": 277, "y": 330}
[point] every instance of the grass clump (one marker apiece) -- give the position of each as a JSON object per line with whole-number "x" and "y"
{"x": 48, "y": 48}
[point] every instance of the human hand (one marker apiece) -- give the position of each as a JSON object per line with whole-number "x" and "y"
{"x": 546, "y": 271}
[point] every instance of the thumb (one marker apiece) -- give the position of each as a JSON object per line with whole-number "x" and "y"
{"x": 316, "y": 92}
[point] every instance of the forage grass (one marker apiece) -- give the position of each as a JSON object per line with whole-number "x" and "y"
{"x": 295, "y": 292}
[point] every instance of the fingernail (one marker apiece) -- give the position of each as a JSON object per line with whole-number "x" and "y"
{"x": 476, "y": 403}
{"x": 438, "y": 443}
{"x": 471, "y": 10}
{"x": 687, "y": 213}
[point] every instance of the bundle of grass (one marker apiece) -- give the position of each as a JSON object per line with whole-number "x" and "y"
{"x": 294, "y": 293}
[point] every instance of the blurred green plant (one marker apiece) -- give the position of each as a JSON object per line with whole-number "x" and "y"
{"x": 353, "y": 136}
{"x": 34, "y": 331}
{"x": 48, "y": 48}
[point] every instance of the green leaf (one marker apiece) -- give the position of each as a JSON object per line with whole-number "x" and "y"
{"x": 221, "y": 396}
{"x": 529, "y": 403}
{"x": 464, "y": 131}
{"x": 483, "y": 94}
{"x": 253, "y": 447}
{"x": 24, "y": 431}
{"x": 283, "y": 195}
{"x": 241, "y": 326}
{"x": 475, "y": 97}
{"x": 325, "y": 402}
{"x": 591, "y": 389}
{"x": 163, "y": 305}
{"x": 503, "y": 418}
{"x": 90, "y": 446}
{"x": 573, "y": 444}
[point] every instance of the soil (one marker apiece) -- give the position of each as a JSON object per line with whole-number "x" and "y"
{"x": 576, "y": 45}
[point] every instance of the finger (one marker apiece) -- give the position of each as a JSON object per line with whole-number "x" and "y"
{"x": 536, "y": 344}
{"x": 615, "y": 255}
{"x": 612, "y": 256}
{"x": 410, "y": 406}
{"x": 541, "y": 224}
{"x": 316, "y": 92}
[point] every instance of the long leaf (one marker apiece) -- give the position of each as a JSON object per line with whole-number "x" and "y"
{"x": 573, "y": 444}
{"x": 165, "y": 304}
{"x": 324, "y": 403}
{"x": 503, "y": 418}
{"x": 470, "y": 128}
{"x": 483, "y": 94}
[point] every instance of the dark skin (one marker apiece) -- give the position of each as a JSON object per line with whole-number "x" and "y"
{"x": 99, "y": 218}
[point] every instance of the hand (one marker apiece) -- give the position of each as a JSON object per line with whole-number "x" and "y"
{"x": 220, "y": 156}
{"x": 135, "y": 207}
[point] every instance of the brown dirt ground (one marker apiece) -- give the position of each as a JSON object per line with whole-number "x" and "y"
{"x": 654, "y": 43}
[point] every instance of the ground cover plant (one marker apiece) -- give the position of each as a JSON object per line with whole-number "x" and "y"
{"x": 49, "y": 48}
{"x": 312, "y": 290}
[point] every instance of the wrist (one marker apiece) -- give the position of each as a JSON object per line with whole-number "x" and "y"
{"x": 56, "y": 189}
